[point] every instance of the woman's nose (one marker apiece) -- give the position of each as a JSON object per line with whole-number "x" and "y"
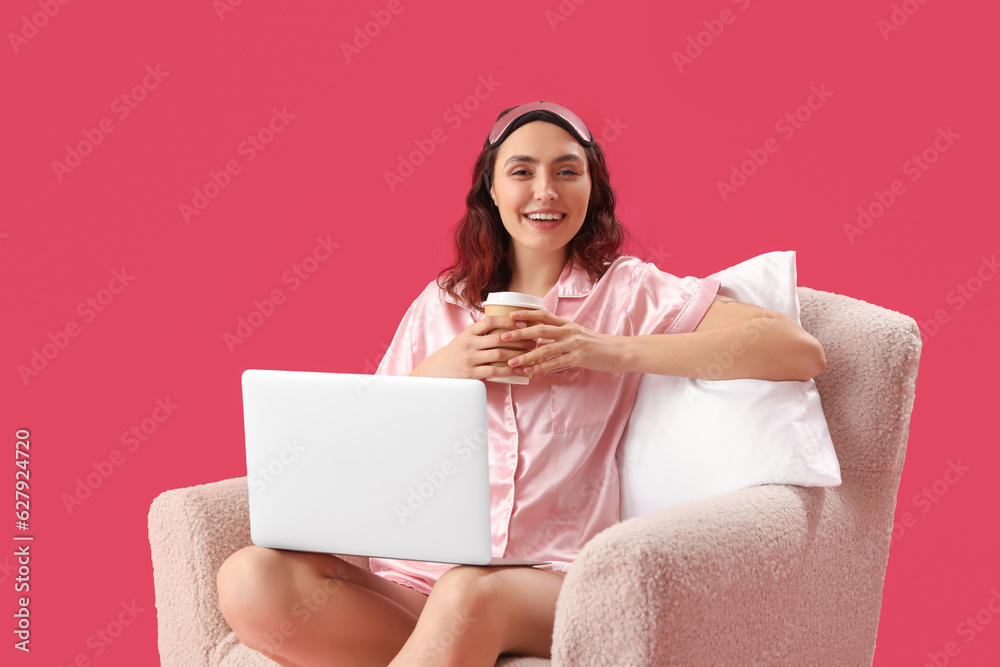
{"x": 544, "y": 188}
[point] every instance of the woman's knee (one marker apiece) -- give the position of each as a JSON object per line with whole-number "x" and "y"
{"x": 252, "y": 585}
{"x": 468, "y": 592}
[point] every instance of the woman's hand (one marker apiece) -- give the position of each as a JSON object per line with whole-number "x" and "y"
{"x": 563, "y": 344}
{"x": 471, "y": 352}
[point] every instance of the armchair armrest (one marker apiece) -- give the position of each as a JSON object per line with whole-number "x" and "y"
{"x": 191, "y": 532}
{"x": 769, "y": 575}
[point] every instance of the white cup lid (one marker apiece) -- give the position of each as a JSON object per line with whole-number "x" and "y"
{"x": 514, "y": 299}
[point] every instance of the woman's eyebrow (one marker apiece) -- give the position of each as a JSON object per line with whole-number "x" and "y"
{"x": 569, "y": 157}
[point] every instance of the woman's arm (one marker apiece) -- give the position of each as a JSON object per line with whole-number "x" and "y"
{"x": 734, "y": 340}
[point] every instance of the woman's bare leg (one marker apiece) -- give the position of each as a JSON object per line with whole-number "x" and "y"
{"x": 474, "y": 614}
{"x": 302, "y": 608}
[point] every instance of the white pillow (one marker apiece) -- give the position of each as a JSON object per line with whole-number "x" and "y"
{"x": 689, "y": 439}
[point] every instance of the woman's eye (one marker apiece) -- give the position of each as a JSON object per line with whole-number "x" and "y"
{"x": 517, "y": 172}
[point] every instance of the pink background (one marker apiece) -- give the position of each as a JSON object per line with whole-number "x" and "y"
{"x": 671, "y": 134}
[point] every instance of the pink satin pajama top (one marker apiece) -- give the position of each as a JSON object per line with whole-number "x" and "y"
{"x": 553, "y": 474}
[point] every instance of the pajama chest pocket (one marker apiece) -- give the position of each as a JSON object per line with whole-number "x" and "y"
{"x": 582, "y": 397}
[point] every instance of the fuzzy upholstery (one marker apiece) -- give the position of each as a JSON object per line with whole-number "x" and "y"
{"x": 771, "y": 575}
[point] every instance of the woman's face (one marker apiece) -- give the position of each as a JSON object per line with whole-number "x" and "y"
{"x": 541, "y": 167}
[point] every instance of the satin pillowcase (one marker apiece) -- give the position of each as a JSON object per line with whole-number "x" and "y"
{"x": 689, "y": 439}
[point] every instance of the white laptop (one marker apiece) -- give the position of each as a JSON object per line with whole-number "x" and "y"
{"x": 369, "y": 465}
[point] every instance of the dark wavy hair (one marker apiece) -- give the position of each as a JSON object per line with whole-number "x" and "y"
{"x": 482, "y": 242}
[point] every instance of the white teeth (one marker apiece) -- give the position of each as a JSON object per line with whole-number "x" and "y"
{"x": 545, "y": 216}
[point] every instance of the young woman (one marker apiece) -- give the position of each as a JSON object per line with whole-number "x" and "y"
{"x": 540, "y": 220}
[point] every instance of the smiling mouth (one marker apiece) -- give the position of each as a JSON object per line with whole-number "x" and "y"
{"x": 545, "y": 223}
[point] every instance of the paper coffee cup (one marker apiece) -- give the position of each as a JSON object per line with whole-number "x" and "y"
{"x": 503, "y": 304}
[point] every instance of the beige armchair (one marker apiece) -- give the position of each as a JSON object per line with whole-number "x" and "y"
{"x": 771, "y": 575}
